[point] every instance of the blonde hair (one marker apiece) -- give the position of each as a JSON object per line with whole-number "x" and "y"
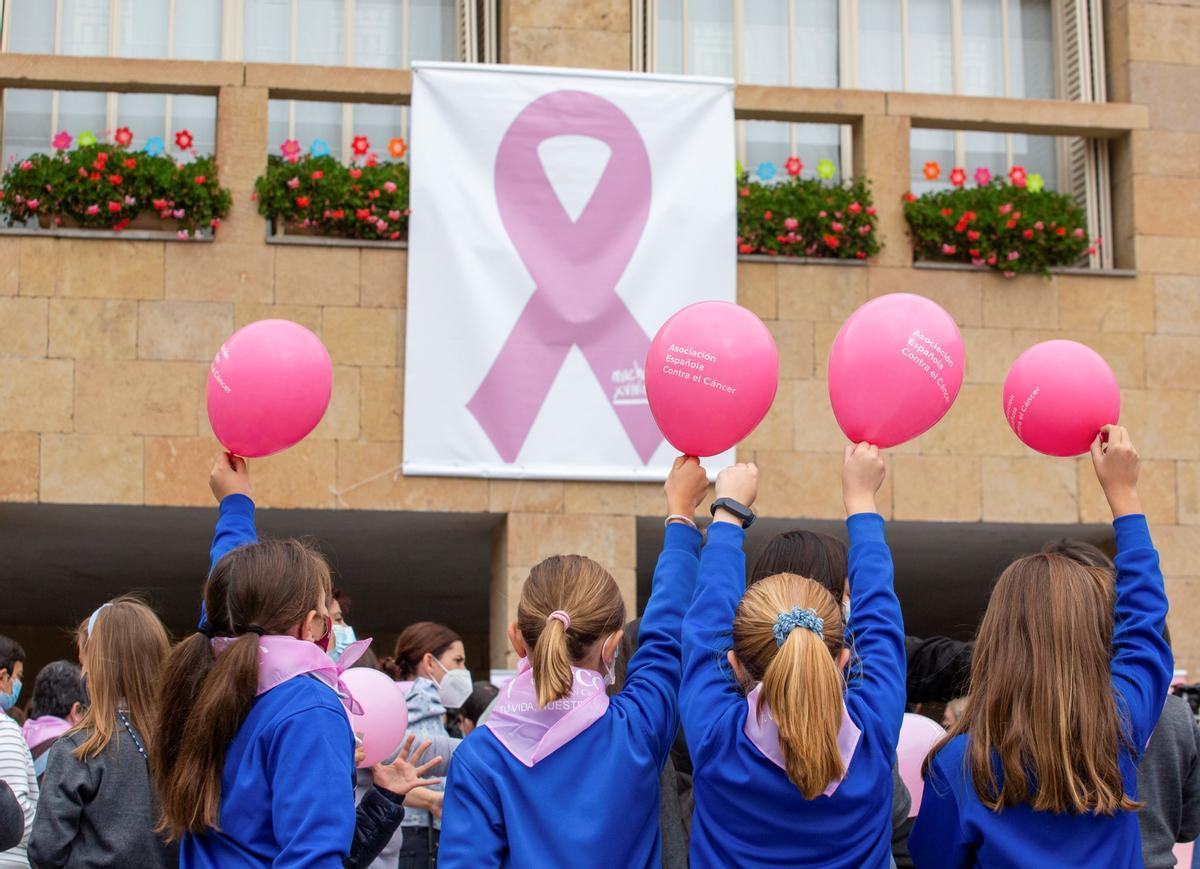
{"x": 801, "y": 679}
{"x": 588, "y": 595}
{"x": 123, "y": 655}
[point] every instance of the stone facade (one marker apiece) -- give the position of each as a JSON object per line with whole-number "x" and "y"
{"x": 107, "y": 343}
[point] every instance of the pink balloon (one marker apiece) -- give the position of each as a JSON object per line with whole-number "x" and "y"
{"x": 895, "y": 368}
{"x": 1058, "y": 395}
{"x": 385, "y": 714}
{"x": 268, "y": 387}
{"x": 918, "y": 735}
{"x": 711, "y": 376}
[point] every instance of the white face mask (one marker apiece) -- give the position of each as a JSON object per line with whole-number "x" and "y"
{"x": 610, "y": 670}
{"x": 456, "y": 686}
{"x": 846, "y": 612}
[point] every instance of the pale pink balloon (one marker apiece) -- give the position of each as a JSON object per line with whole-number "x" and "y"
{"x": 268, "y": 387}
{"x": 918, "y": 735}
{"x": 1058, "y": 395}
{"x": 895, "y": 368}
{"x": 711, "y": 377}
{"x": 384, "y": 717}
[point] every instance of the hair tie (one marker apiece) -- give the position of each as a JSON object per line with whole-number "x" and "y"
{"x": 207, "y": 629}
{"x": 794, "y": 618}
{"x": 93, "y": 617}
{"x": 254, "y": 629}
{"x": 561, "y": 617}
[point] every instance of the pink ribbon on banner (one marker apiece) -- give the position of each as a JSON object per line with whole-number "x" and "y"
{"x": 576, "y": 266}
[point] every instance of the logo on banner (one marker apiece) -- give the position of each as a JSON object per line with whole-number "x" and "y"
{"x": 576, "y": 266}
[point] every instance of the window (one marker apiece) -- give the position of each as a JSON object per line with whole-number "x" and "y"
{"x": 370, "y": 33}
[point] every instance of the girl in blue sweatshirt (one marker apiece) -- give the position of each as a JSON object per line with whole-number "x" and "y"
{"x": 562, "y": 775}
{"x": 792, "y": 766}
{"x": 254, "y": 756}
{"x": 1042, "y": 768}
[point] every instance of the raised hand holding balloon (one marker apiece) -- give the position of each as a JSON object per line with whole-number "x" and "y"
{"x": 268, "y": 387}
{"x": 711, "y": 376}
{"x": 1058, "y": 396}
{"x": 895, "y": 369}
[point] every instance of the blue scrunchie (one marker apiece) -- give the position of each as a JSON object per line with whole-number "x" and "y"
{"x": 794, "y": 618}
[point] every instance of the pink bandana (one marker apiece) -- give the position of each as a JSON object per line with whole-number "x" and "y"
{"x": 532, "y": 734}
{"x": 765, "y": 736}
{"x": 38, "y": 730}
{"x": 281, "y": 657}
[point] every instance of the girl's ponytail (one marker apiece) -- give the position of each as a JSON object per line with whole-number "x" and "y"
{"x": 787, "y": 634}
{"x": 550, "y": 662}
{"x": 802, "y": 688}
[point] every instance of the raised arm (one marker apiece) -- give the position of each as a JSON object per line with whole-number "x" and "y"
{"x": 878, "y": 625}
{"x": 229, "y": 481}
{"x": 722, "y": 581}
{"x": 1142, "y": 662}
{"x": 652, "y": 680}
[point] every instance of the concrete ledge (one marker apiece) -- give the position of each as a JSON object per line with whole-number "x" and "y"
{"x": 105, "y": 234}
{"x": 1042, "y": 117}
{"x": 806, "y": 105}
{"x": 348, "y": 84}
{"x": 123, "y": 75}
{"x": 1088, "y": 273}
{"x": 802, "y": 260}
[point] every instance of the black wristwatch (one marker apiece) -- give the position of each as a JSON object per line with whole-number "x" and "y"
{"x": 731, "y": 506}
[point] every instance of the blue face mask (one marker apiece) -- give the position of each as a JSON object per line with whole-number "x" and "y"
{"x": 343, "y": 635}
{"x": 9, "y": 700}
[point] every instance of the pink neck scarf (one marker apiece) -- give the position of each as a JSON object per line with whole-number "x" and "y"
{"x": 765, "y": 736}
{"x": 531, "y": 734}
{"x": 281, "y": 657}
{"x": 38, "y": 730}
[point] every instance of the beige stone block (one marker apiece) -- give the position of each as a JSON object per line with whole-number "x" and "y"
{"x": 526, "y": 496}
{"x": 814, "y": 428}
{"x": 591, "y": 49}
{"x": 144, "y": 398}
{"x": 937, "y": 488}
{"x": 91, "y": 469}
{"x": 10, "y": 266}
{"x": 38, "y": 261}
{"x": 1178, "y": 549}
{"x": 605, "y": 499}
{"x": 341, "y": 420}
{"x": 1162, "y": 422}
{"x": 1156, "y": 485}
{"x": 1171, "y": 91}
{"x": 1125, "y": 352}
{"x": 610, "y": 540}
{"x": 626, "y": 580}
{"x": 807, "y": 486}
{"x": 958, "y": 291}
{"x": 303, "y": 476}
{"x": 1165, "y": 255}
{"x": 36, "y": 395}
{"x": 1163, "y": 152}
{"x": 360, "y": 336}
{"x": 1166, "y": 206}
{"x": 794, "y": 340}
{"x": 1100, "y": 304}
{"x": 652, "y": 500}
{"x": 1188, "y": 492}
{"x": 308, "y": 316}
{"x": 974, "y": 426}
{"x": 225, "y": 272}
{"x": 1038, "y": 489}
{"x": 1026, "y": 302}
{"x": 93, "y": 329}
{"x": 1177, "y": 304}
{"x": 382, "y": 404}
{"x": 757, "y": 288}
{"x": 23, "y": 327}
{"x": 990, "y": 353}
{"x": 384, "y": 278}
{"x": 823, "y": 337}
{"x": 1170, "y": 359}
{"x": 183, "y": 330}
{"x": 1164, "y": 34}
{"x": 242, "y": 126}
{"x": 369, "y": 478}
{"x": 775, "y": 432}
{"x": 578, "y": 15}
{"x": 316, "y": 275}
{"x": 19, "y": 466}
{"x": 108, "y": 269}
{"x": 1183, "y": 595}
{"x": 829, "y": 293}
{"x": 177, "y": 469}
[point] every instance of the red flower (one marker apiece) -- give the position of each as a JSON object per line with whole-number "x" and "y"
{"x": 745, "y": 248}
{"x": 958, "y": 176}
{"x": 1062, "y": 230}
{"x": 318, "y": 175}
{"x": 114, "y": 207}
{"x": 302, "y": 201}
{"x": 744, "y": 192}
{"x": 363, "y": 214}
{"x": 766, "y": 215}
{"x": 973, "y": 235}
{"x": 860, "y": 255}
{"x": 159, "y": 204}
{"x": 909, "y": 197}
{"x": 836, "y": 227}
{"x": 338, "y": 214}
{"x": 83, "y": 173}
{"x": 946, "y": 212}
{"x": 1028, "y": 234}
{"x": 183, "y": 140}
{"x": 854, "y": 208}
{"x": 1017, "y": 176}
{"x": 130, "y": 163}
{"x": 373, "y": 194}
{"x": 290, "y": 149}
{"x": 123, "y": 137}
{"x": 361, "y": 145}
{"x": 974, "y": 252}
{"x": 872, "y": 210}
{"x": 969, "y": 216}
{"x": 114, "y": 179}
{"x": 1012, "y": 224}
{"x": 355, "y": 174}
{"x": 95, "y": 176}
{"x": 948, "y": 249}
{"x": 793, "y": 165}
{"x": 200, "y": 179}
{"x": 831, "y": 240}
{"x": 991, "y": 260}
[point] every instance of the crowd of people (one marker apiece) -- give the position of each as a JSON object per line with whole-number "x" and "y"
{"x": 733, "y": 724}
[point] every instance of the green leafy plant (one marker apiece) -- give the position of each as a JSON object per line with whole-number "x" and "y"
{"x": 105, "y": 186}
{"x": 1010, "y": 227}
{"x": 321, "y": 195}
{"x": 806, "y": 218}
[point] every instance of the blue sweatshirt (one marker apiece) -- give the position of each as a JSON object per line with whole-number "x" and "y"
{"x": 593, "y": 802}
{"x": 955, "y": 829}
{"x": 748, "y": 813}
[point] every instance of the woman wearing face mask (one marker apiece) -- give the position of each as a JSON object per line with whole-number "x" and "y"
{"x": 16, "y": 764}
{"x": 343, "y": 633}
{"x": 430, "y": 664}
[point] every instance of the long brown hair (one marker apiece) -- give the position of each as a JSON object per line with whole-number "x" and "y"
{"x": 811, "y": 554}
{"x": 414, "y": 643}
{"x": 123, "y": 656}
{"x": 801, "y": 679}
{"x": 269, "y": 586}
{"x": 1042, "y": 702}
{"x": 589, "y": 596}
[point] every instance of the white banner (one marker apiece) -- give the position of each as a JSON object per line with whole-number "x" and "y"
{"x": 559, "y": 217}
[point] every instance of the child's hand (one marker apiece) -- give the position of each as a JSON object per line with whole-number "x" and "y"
{"x": 426, "y": 800}
{"x": 739, "y": 482}
{"x": 402, "y": 774}
{"x": 229, "y": 476}
{"x": 862, "y": 475}
{"x": 1116, "y": 463}
{"x": 686, "y": 486}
